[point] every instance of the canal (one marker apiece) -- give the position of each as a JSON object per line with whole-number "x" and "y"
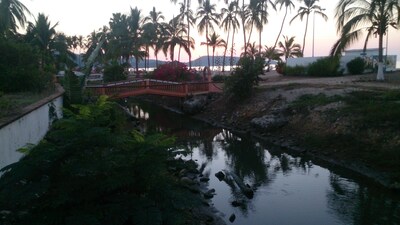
{"x": 287, "y": 188}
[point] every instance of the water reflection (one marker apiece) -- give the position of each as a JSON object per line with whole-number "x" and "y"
{"x": 287, "y": 189}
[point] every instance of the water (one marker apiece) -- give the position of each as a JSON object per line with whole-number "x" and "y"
{"x": 289, "y": 189}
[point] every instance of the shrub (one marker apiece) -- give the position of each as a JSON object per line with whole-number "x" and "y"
{"x": 114, "y": 72}
{"x": 245, "y": 77}
{"x": 280, "y": 67}
{"x": 175, "y": 71}
{"x": 295, "y": 70}
{"x": 219, "y": 78}
{"x": 325, "y": 67}
{"x": 19, "y": 69}
{"x": 356, "y": 66}
{"x": 113, "y": 176}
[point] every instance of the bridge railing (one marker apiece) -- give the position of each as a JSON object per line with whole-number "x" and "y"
{"x": 150, "y": 86}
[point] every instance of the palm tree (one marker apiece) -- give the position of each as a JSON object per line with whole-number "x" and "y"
{"x": 11, "y": 13}
{"x": 229, "y": 21}
{"x": 373, "y": 16}
{"x": 258, "y": 17}
{"x": 176, "y": 35}
{"x": 214, "y": 41}
{"x": 251, "y": 50}
{"x": 41, "y": 34}
{"x": 272, "y": 53}
{"x": 244, "y": 13}
{"x": 119, "y": 37}
{"x": 288, "y": 5}
{"x": 135, "y": 30}
{"x": 152, "y": 29}
{"x": 309, "y": 7}
{"x": 289, "y": 49}
{"x": 207, "y": 16}
{"x": 187, "y": 14}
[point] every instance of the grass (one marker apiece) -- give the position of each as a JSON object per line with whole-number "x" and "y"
{"x": 13, "y": 103}
{"x": 371, "y": 134}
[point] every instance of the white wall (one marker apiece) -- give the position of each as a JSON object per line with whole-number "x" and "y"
{"x": 28, "y": 129}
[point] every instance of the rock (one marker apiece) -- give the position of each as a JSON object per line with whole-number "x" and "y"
{"x": 269, "y": 122}
{"x": 237, "y": 203}
{"x": 204, "y": 179}
{"x": 232, "y": 218}
{"x": 209, "y": 194}
{"x": 220, "y": 175}
{"x": 187, "y": 181}
{"x": 194, "y": 104}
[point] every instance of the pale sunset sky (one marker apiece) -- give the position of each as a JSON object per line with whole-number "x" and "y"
{"x": 81, "y": 17}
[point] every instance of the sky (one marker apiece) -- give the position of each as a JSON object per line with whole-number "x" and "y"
{"x": 81, "y": 17}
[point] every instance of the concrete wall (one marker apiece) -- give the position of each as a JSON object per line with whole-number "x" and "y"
{"x": 29, "y": 127}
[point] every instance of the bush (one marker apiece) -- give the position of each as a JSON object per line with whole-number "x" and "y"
{"x": 325, "y": 67}
{"x": 295, "y": 70}
{"x": 280, "y": 67}
{"x": 19, "y": 69}
{"x": 245, "y": 77}
{"x": 113, "y": 176}
{"x": 356, "y": 66}
{"x": 219, "y": 78}
{"x": 175, "y": 71}
{"x": 114, "y": 72}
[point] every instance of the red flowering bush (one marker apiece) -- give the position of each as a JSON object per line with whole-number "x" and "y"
{"x": 175, "y": 71}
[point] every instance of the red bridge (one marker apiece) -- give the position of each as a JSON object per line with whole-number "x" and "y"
{"x": 155, "y": 87}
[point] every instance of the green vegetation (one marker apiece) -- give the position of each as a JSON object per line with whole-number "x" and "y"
{"x": 293, "y": 70}
{"x": 325, "y": 67}
{"x": 114, "y": 72}
{"x": 241, "y": 83}
{"x": 368, "y": 133}
{"x": 90, "y": 170}
{"x": 19, "y": 68}
{"x": 356, "y": 66}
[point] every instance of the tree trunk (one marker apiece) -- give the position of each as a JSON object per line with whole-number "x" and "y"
{"x": 305, "y": 35}
{"x": 188, "y": 37}
{"x": 280, "y": 31}
{"x": 213, "y": 59}
{"x": 208, "y": 51}
{"x": 233, "y": 39}
{"x": 248, "y": 39}
{"x": 226, "y": 47}
{"x": 380, "y": 75}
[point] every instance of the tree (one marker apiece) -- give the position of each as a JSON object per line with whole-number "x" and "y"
{"x": 12, "y": 13}
{"x": 214, "y": 41}
{"x": 187, "y": 13}
{"x": 288, "y": 5}
{"x": 373, "y": 16}
{"x": 289, "y": 49}
{"x": 135, "y": 30}
{"x": 229, "y": 21}
{"x": 258, "y": 17}
{"x": 176, "y": 35}
{"x": 41, "y": 34}
{"x": 306, "y": 10}
{"x": 251, "y": 50}
{"x": 207, "y": 16}
{"x": 152, "y": 29}
{"x": 119, "y": 37}
{"x": 272, "y": 53}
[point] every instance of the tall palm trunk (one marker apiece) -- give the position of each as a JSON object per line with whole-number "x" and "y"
{"x": 380, "y": 75}
{"x": 226, "y": 47}
{"x": 188, "y": 35}
{"x": 233, "y": 39}
{"x": 280, "y": 31}
{"x": 213, "y": 59}
{"x": 244, "y": 30}
{"x": 305, "y": 35}
{"x": 248, "y": 39}
{"x": 259, "y": 41}
{"x": 208, "y": 51}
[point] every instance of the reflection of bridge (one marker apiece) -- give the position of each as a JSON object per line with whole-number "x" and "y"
{"x": 155, "y": 87}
